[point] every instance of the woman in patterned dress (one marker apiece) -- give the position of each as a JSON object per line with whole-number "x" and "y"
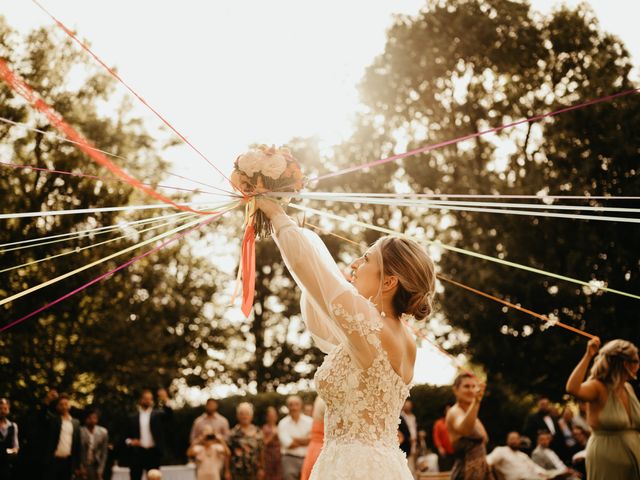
{"x": 247, "y": 446}
{"x": 466, "y": 431}
{"x": 272, "y": 454}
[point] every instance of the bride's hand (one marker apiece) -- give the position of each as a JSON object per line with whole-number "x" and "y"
{"x": 269, "y": 206}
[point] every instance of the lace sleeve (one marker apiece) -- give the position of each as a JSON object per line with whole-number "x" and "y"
{"x": 334, "y": 312}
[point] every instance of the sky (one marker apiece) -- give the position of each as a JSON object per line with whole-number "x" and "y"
{"x": 231, "y": 73}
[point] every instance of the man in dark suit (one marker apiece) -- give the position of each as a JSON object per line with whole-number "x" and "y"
{"x": 34, "y": 438}
{"x": 9, "y": 444}
{"x": 543, "y": 420}
{"x": 146, "y": 433}
{"x": 62, "y": 454}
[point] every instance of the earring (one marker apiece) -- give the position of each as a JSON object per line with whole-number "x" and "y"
{"x": 382, "y": 314}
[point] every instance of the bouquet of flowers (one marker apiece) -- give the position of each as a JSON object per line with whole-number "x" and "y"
{"x": 265, "y": 169}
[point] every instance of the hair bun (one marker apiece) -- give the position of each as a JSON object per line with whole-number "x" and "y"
{"x": 420, "y": 305}
{"x": 415, "y": 271}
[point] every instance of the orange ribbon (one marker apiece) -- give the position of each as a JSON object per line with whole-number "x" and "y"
{"x": 539, "y": 316}
{"x": 248, "y": 267}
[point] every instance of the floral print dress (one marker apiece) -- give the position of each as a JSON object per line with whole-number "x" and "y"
{"x": 247, "y": 452}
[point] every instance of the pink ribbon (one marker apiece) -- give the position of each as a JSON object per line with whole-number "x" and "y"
{"x": 427, "y": 148}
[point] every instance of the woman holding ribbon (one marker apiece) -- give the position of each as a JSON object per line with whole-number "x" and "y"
{"x": 466, "y": 432}
{"x": 613, "y": 410}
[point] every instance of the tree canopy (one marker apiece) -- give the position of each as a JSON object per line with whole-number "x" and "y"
{"x": 141, "y": 328}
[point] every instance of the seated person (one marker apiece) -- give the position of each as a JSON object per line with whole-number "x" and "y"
{"x": 544, "y": 456}
{"x": 579, "y": 454}
{"x": 509, "y": 463}
{"x": 426, "y": 460}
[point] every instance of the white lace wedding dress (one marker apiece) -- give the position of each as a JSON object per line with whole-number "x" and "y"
{"x": 363, "y": 393}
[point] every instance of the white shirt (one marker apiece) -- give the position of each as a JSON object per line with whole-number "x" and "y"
{"x": 549, "y": 422}
{"x": 63, "y": 450}
{"x": 515, "y": 465}
{"x": 288, "y": 430}
{"x": 553, "y": 458}
{"x": 4, "y": 430}
{"x": 146, "y": 438}
{"x": 412, "y": 423}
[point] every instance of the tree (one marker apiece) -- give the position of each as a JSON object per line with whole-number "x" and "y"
{"x": 460, "y": 67}
{"x": 143, "y": 327}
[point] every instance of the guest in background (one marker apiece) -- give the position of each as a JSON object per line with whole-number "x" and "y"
{"x": 211, "y": 455}
{"x": 212, "y": 420}
{"x": 247, "y": 446}
{"x": 580, "y": 419}
{"x": 412, "y": 423}
{"x": 145, "y": 434}
{"x": 579, "y": 453}
{"x": 165, "y": 405}
{"x": 544, "y": 456}
{"x": 581, "y": 436}
{"x": 34, "y": 437}
{"x": 511, "y": 464}
{"x": 426, "y": 460}
{"x": 542, "y": 419}
{"x": 443, "y": 443}
{"x": 317, "y": 438}
{"x": 63, "y": 442}
{"x": 294, "y": 431}
{"x": 466, "y": 431}
{"x": 9, "y": 444}
{"x": 404, "y": 437}
{"x": 272, "y": 455}
{"x": 94, "y": 446}
{"x": 421, "y": 445}
{"x": 565, "y": 422}
{"x": 308, "y": 409}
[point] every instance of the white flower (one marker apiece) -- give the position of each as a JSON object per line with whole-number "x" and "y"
{"x": 273, "y": 166}
{"x": 552, "y": 321}
{"x": 595, "y": 287}
{"x": 250, "y": 162}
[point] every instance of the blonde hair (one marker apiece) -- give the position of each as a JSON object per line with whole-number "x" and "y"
{"x": 609, "y": 367}
{"x": 416, "y": 273}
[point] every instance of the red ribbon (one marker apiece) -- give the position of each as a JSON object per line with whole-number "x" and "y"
{"x": 248, "y": 265}
{"x": 23, "y": 89}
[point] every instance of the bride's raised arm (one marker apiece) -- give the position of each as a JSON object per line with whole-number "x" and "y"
{"x": 332, "y": 308}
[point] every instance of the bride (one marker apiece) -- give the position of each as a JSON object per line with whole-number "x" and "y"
{"x": 367, "y": 371}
